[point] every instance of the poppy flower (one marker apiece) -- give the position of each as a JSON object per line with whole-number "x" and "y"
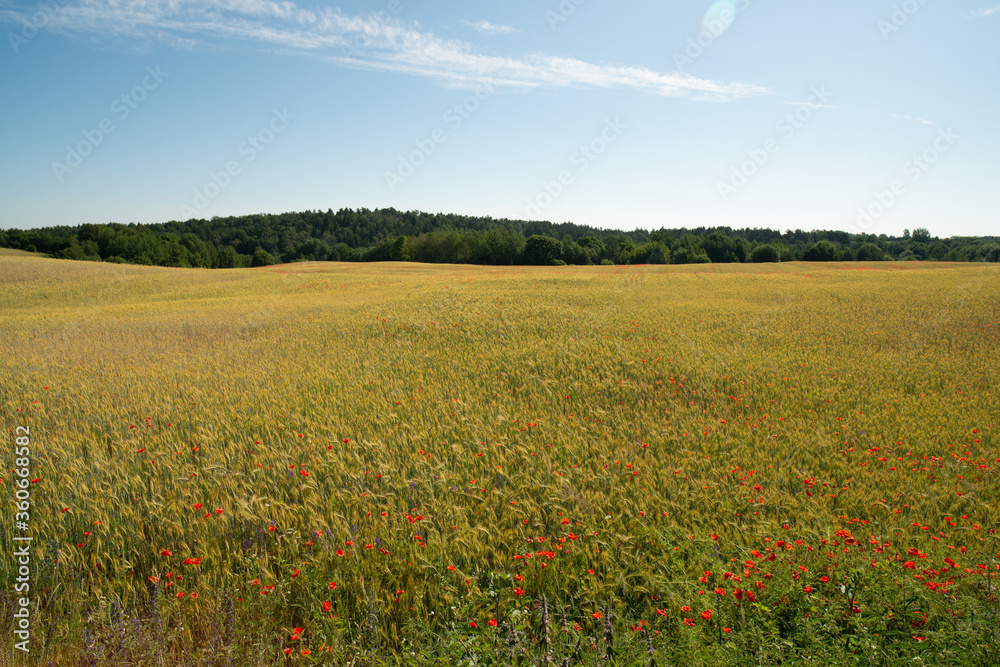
{"x": 166, "y": 552}
{"x": 327, "y": 606}
{"x": 492, "y": 622}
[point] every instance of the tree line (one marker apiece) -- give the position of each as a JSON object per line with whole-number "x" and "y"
{"x": 365, "y": 235}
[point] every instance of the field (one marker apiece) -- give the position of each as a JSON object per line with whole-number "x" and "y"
{"x": 375, "y": 464}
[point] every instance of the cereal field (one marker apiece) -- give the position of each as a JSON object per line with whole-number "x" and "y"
{"x": 380, "y": 464}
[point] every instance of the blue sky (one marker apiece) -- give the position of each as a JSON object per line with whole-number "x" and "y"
{"x": 860, "y": 115}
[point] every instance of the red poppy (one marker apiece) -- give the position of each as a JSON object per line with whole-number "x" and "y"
{"x": 707, "y": 614}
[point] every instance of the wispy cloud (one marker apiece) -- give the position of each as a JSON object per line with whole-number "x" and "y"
{"x": 811, "y": 105}
{"x": 373, "y": 41}
{"x": 986, "y": 11}
{"x": 915, "y": 119}
{"x": 492, "y": 28}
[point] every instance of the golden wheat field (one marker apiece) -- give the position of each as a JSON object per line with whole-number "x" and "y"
{"x": 368, "y": 464}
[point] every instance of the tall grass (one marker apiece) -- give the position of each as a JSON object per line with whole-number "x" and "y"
{"x": 581, "y": 456}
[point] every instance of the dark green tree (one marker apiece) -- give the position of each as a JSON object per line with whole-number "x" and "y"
{"x": 541, "y": 250}
{"x": 724, "y": 249}
{"x": 869, "y": 252}
{"x": 261, "y": 257}
{"x": 228, "y": 259}
{"x": 765, "y": 253}
{"x": 821, "y": 251}
{"x": 400, "y": 250}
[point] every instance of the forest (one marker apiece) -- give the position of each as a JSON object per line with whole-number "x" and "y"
{"x": 365, "y": 235}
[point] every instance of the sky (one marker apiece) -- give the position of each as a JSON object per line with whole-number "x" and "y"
{"x": 869, "y": 116}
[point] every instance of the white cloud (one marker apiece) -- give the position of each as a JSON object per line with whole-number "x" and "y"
{"x": 492, "y": 28}
{"x": 916, "y": 119}
{"x": 811, "y": 105}
{"x": 986, "y": 11}
{"x": 373, "y": 41}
